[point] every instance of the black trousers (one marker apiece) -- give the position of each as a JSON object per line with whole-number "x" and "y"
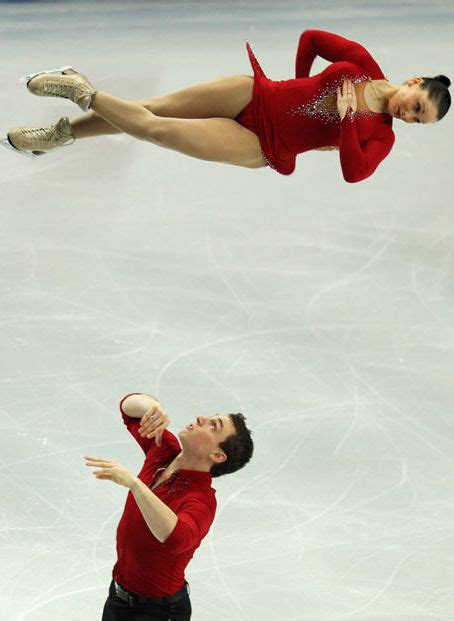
{"x": 115, "y": 609}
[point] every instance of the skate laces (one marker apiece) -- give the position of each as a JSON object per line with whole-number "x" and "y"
{"x": 75, "y": 87}
{"x": 78, "y": 92}
{"x": 60, "y": 89}
{"x": 46, "y": 134}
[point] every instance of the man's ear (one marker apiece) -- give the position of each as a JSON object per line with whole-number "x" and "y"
{"x": 218, "y": 457}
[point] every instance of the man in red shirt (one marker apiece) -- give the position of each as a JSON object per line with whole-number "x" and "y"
{"x": 169, "y": 508}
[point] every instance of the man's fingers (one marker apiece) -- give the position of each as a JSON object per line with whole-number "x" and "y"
{"x": 158, "y": 438}
{"x": 151, "y": 416}
{"x": 154, "y": 434}
{"x": 152, "y": 425}
{"x": 98, "y": 459}
{"x": 157, "y": 433}
{"x": 148, "y": 428}
{"x": 151, "y": 420}
{"x": 151, "y": 434}
{"x": 148, "y": 414}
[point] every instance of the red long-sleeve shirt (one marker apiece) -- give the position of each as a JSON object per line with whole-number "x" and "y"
{"x": 146, "y": 566}
{"x": 287, "y": 117}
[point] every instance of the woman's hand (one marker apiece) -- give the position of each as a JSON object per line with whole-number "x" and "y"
{"x": 346, "y": 98}
{"x": 153, "y": 423}
{"x": 110, "y": 469}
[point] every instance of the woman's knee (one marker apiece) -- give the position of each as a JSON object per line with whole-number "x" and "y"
{"x": 260, "y": 162}
{"x": 158, "y": 132}
{"x": 157, "y": 105}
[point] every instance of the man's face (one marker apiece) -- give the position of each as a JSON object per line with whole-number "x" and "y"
{"x": 203, "y": 436}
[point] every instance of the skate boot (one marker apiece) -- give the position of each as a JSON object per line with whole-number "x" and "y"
{"x": 63, "y": 82}
{"x": 38, "y": 140}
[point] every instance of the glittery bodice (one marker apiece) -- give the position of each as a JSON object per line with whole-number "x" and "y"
{"x": 300, "y": 114}
{"x": 306, "y": 109}
{"x": 323, "y": 105}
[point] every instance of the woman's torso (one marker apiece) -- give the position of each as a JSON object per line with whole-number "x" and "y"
{"x": 305, "y": 109}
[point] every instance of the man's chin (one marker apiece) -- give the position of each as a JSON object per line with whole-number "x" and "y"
{"x": 183, "y": 433}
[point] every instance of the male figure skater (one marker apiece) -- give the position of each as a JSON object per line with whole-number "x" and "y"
{"x": 169, "y": 508}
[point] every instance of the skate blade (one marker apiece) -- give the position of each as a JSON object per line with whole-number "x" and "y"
{"x": 4, "y": 142}
{"x": 26, "y": 78}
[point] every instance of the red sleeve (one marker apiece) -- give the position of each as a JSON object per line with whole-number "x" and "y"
{"x": 133, "y": 424}
{"x": 359, "y": 160}
{"x": 329, "y": 46}
{"x": 193, "y": 524}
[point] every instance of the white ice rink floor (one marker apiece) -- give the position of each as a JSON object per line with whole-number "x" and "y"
{"x": 321, "y": 310}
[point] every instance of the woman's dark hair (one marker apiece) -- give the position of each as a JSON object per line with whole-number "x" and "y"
{"x": 438, "y": 92}
{"x": 238, "y": 447}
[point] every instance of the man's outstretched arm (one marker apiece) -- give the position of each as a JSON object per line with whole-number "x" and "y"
{"x": 159, "y": 518}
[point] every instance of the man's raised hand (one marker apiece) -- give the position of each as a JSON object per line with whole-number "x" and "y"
{"x": 153, "y": 423}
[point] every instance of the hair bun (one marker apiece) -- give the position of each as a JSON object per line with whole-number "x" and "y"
{"x": 443, "y": 79}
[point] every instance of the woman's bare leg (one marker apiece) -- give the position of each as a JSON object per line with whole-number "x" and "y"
{"x": 91, "y": 124}
{"x": 214, "y": 139}
{"x": 224, "y": 97}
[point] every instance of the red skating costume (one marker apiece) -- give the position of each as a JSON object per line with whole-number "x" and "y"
{"x": 289, "y": 117}
{"x": 144, "y": 565}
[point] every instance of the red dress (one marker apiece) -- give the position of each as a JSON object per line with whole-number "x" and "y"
{"x": 288, "y": 119}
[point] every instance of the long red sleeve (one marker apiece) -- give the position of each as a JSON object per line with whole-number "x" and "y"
{"x": 359, "y": 160}
{"x": 329, "y": 46}
{"x": 194, "y": 522}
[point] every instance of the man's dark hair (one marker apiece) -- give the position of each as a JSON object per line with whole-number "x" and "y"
{"x": 238, "y": 447}
{"x": 438, "y": 93}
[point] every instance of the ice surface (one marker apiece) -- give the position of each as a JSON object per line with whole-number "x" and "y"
{"x": 321, "y": 310}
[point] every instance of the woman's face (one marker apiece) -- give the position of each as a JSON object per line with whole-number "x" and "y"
{"x": 411, "y": 103}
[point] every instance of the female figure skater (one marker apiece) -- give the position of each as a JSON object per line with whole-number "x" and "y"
{"x": 254, "y": 121}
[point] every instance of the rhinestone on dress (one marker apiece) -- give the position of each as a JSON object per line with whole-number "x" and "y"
{"x": 315, "y": 107}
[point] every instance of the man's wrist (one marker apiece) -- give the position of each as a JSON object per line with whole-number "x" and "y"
{"x": 135, "y": 484}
